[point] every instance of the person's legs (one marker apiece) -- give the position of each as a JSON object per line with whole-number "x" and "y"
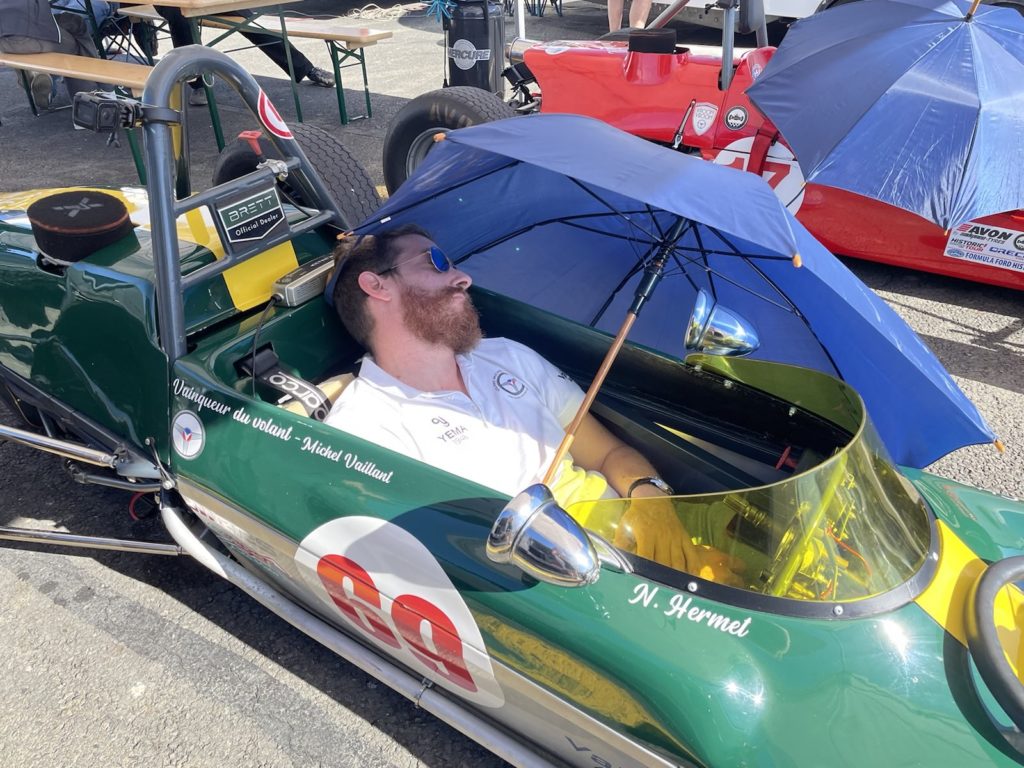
{"x": 275, "y": 50}
{"x": 639, "y": 10}
{"x": 40, "y": 83}
{"x": 614, "y": 15}
{"x": 181, "y": 34}
{"x": 272, "y": 46}
{"x": 76, "y": 39}
{"x": 177, "y": 25}
{"x": 70, "y": 42}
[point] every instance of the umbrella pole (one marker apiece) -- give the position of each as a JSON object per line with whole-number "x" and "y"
{"x": 588, "y": 400}
{"x": 652, "y": 275}
{"x": 974, "y": 7}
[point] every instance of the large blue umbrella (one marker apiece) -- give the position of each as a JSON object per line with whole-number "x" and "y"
{"x": 565, "y": 213}
{"x": 916, "y": 103}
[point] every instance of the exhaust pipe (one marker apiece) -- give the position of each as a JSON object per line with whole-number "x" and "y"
{"x": 515, "y": 50}
{"x": 63, "y": 448}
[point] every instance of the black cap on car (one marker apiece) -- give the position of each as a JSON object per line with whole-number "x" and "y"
{"x": 68, "y": 226}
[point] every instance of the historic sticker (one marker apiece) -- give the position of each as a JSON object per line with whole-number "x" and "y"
{"x": 987, "y": 244}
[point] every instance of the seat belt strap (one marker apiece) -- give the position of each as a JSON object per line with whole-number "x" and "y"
{"x": 269, "y": 372}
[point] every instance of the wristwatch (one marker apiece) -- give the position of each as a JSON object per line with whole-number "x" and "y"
{"x": 657, "y": 482}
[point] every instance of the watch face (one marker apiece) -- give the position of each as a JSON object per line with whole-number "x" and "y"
{"x": 188, "y": 435}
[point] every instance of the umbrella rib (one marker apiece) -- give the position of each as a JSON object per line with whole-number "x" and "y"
{"x": 568, "y": 221}
{"x": 615, "y": 292}
{"x": 641, "y": 263}
{"x": 704, "y": 258}
{"x": 609, "y": 206}
{"x": 788, "y": 307}
{"x": 715, "y": 252}
{"x": 947, "y": 223}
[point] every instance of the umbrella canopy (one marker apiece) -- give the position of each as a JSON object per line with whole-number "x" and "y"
{"x": 905, "y": 101}
{"x": 564, "y": 212}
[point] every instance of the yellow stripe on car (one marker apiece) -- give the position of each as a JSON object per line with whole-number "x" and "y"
{"x": 945, "y": 599}
{"x": 248, "y": 284}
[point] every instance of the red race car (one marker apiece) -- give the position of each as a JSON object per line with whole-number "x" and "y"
{"x": 652, "y": 87}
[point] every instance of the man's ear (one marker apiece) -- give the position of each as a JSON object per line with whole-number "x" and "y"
{"x": 373, "y": 286}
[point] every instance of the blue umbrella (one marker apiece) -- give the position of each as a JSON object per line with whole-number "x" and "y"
{"x": 565, "y": 213}
{"x": 917, "y": 103}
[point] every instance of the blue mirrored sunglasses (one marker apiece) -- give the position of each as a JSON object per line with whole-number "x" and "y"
{"x": 438, "y": 260}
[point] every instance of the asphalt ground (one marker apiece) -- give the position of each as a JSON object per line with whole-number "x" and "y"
{"x": 110, "y": 659}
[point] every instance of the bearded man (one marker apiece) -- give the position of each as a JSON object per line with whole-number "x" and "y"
{"x": 490, "y": 410}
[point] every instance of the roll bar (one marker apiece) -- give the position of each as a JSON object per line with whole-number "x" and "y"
{"x": 159, "y": 119}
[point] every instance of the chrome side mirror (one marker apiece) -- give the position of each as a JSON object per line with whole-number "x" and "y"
{"x": 715, "y": 330}
{"x": 536, "y": 535}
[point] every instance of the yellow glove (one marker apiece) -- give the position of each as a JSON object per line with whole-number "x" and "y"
{"x": 651, "y": 528}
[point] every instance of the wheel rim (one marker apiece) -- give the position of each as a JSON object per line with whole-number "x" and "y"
{"x": 419, "y": 148}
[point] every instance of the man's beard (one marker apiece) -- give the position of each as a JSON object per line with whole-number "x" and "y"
{"x": 435, "y": 318}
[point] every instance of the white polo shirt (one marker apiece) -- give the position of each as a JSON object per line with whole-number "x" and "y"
{"x": 503, "y": 435}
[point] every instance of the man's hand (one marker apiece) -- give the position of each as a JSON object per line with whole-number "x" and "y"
{"x": 653, "y": 528}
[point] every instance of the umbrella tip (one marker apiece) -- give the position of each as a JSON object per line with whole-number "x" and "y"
{"x": 999, "y": 445}
{"x": 797, "y": 260}
{"x": 439, "y": 136}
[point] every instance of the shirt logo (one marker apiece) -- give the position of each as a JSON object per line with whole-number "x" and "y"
{"x": 509, "y": 384}
{"x": 450, "y": 433}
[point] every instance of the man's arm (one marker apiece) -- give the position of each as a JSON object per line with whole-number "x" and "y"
{"x": 598, "y": 450}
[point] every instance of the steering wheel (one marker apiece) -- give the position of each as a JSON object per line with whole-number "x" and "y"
{"x": 983, "y": 637}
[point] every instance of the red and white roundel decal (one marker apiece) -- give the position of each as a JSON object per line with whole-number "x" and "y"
{"x": 271, "y": 118}
{"x": 384, "y": 584}
{"x": 781, "y": 170}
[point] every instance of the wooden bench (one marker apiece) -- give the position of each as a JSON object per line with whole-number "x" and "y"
{"x": 343, "y": 42}
{"x": 107, "y": 71}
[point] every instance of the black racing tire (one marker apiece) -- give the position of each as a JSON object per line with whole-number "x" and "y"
{"x": 411, "y": 134}
{"x": 347, "y": 181}
{"x": 983, "y": 639}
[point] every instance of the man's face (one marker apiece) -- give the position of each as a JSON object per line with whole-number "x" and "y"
{"x": 435, "y": 305}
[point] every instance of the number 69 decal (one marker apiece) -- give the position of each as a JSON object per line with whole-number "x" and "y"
{"x": 380, "y": 581}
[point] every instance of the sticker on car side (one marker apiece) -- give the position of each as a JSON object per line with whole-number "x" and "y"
{"x": 383, "y": 583}
{"x": 271, "y": 118}
{"x": 735, "y": 118}
{"x": 986, "y": 244}
{"x": 188, "y": 435}
{"x": 704, "y": 114}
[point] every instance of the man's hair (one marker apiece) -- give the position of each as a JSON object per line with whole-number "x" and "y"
{"x": 354, "y": 255}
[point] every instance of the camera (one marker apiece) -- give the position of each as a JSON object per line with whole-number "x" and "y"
{"x": 105, "y": 112}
